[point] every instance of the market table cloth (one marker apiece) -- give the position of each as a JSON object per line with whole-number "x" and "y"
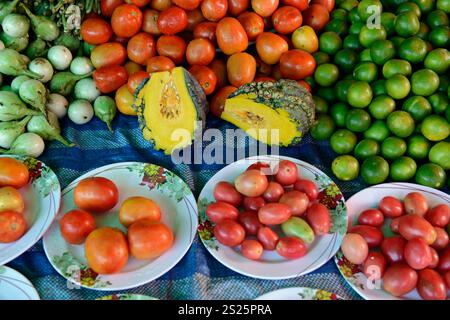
{"x": 198, "y": 275}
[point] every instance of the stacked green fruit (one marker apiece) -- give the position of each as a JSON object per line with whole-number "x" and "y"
{"x": 383, "y": 92}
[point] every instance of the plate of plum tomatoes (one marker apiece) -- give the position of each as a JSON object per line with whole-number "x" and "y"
{"x": 272, "y": 217}
{"x": 30, "y": 196}
{"x": 397, "y": 245}
{"x": 121, "y": 226}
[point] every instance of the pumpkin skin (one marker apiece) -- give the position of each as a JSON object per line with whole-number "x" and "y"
{"x": 170, "y": 105}
{"x": 283, "y": 105}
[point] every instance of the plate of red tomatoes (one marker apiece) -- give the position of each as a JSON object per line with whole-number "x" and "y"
{"x": 30, "y": 196}
{"x": 272, "y": 217}
{"x": 397, "y": 245}
{"x": 121, "y": 226}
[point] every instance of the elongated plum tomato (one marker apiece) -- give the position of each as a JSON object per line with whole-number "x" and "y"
{"x": 229, "y": 233}
{"x": 217, "y": 103}
{"x": 171, "y": 46}
{"x": 399, "y": 279}
{"x": 413, "y": 226}
{"x": 205, "y": 77}
{"x": 374, "y": 266}
{"x": 291, "y": 248}
{"x": 265, "y": 8}
{"x": 200, "y": 52}
{"x": 241, "y": 69}
{"x": 274, "y": 213}
{"x": 107, "y": 6}
{"x": 206, "y": 30}
{"x": 354, "y": 248}
{"x": 297, "y": 201}
{"x": 273, "y": 192}
{"x": 12, "y": 226}
{"x": 219, "y": 211}
{"x": 126, "y": 20}
{"x": 214, "y": 10}
{"x": 393, "y": 249}
{"x": 286, "y": 173}
{"x": 252, "y": 23}
{"x": 308, "y": 187}
{"x": 150, "y": 22}
{"x": 96, "y": 194}
{"x": 172, "y": 20}
{"x": 297, "y": 64}
{"x": 109, "y": 79}
{"x": 286, "y": 19}
{"x": 95, "y": 31}
{"x": 225, "y": 192}
{"x": 236, "y": 7}
{"x": 249, "y": 220}
{"x": 270, "y": 47}
{"x": 187, "y": 4}
{"x": 299, "y": 4}
{"x": 415, "y": 203}
{"x": 252, "y": 249}
{"x": 137, "y": 208}
{"x": 316, "y": 16}
{"x": 11, "y": 200}
{"x": 372, "y": 235}
{"x": 319, "y": 218}
{"x": 251, "y": 183}
{"x": 108, "y": 54}
{"x": 442, "y": 239}
{"x": 391, "y": 207}
{"x": 13, "y": 173}
{"x": 136, "y": 79}
{"x": 439, "y": 216}
{"x": 141, "y": 47}
{"x": 371, "y": 217}
{"x": 268, "y": 238}
{"x": 417, "y": 254}
{"x": 159, "y": 63}
{"x": 106, "y": 250}
{"x": 149, "y": 239}
{"x": 431, "y": 286}
{"x": 76, "y": 225}
{"x": 231, "y": 36}
{"x": 253, "y": 203}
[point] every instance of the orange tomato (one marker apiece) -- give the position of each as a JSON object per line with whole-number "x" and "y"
{"x": 194, "y": 17}
{"x": 316, "y": 16}
{"x": 265, "y": 7}
{"x": 219, "y": 67}
{"x": 236, "y": 7}
{"x": 141, "y": 47}
{"x": 159, "y": 63}
{"x": 95, "y": 31}
{"x": 205, "y": 77}
{"x": 140, "y": 3}
{"x": 287, "y": 19}
{"x": 138, "y": 208}
{"x": 218, "y": 101}
{"x": 270, "y": 47}
{"x": 124, "y": 101}
{"x": 200, "y": 52}
{"x": 149, "y": 239}
{"x": 12, "y": 226}
{"x": 108, "y": 54}
{"x": 252, "y": 23}
{"x": 76, "y": 225}
{"x": 231, "y": 36}
{"x": 297, "y": 64}
{"x": 172, "y": 20}
{"x": 126, "y": 20}
{"x": 206, "y": 30}
{"x": 150, "y": 22}
{"x": 241, "y": 69}
{"x": 11, "y": 200}
{"x": 96, "y": 194}
{"x": 214, "y": 10}
{"x": 13, "y": 173}
{"x": 299, "y": 4}
{"x": 135, "y": 80}
{"x": 306, "y": 39}
{"x": 161, "y": 5}
{"x": 173, "y": 47}
{"x": 187, "y": 4}
{"x": 132, "y": 67}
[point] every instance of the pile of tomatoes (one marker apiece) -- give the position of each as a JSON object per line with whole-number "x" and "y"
{"x": 246, "y": 213}
{"x": 418, "y": 256}
{"x": 107, "y": 249}
{"x": 212, "y": 38}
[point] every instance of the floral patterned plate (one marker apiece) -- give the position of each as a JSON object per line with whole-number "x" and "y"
{"x": 179, "y": 211}
{"x": 369, "y": 198}
{"x": 272, "y": 265}
{"x": 14, "y": 286}
{"x": 127, "y": 296}
{"x": 42, "y": 197}
{"x": 299, "y": 294}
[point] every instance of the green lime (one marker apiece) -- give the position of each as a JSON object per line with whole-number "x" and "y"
{"x": 437, "y": 18}
{"x": 365, "y": 55}
{"x": 365, "y": 71}
{"x": 346, "y": 60}
{"x": 403, "y": 169}
{"x": 379, "y": 87}
{"x": 381, "y": 107}
{"x": 424, "y": 82}
{"x": 397, "y": 41}
{"x": 443, "y": 5}
{"x": 444, "y": 83}
{"x": 326, "y": 93}
{"x": 353, "y": 14}
{"x": 330, "y": 42}
{"x": 435, "y": 128}
{"x": 368, "y": 36}
{"x": 378, "y": 131}
{"x": 423, "y": 31}
{"x": 409, "y": 6}
{"x": 440, "y": 154}
{"x": 418, "y": 147}
{"x": 357, "y": 120}
{"x": 447, "y": 113}
{"x": 397, "y": 66}
{"x": 381, "y": 51}
{"x": 374, "y": 170}
{"x": 439, "y": 102}
{"x": 407, "y": 24}
{"x": 366, "y": 8}
{"x": 425, "y": 6}
{"x": 359, "y": 94}
{"x": 345, "y": 167}
{"x": 393, "y": 147}
{"x": 339, "y": 14}
{"x": 440, "y": 37}
{"x": 321, "y": 57}
{"x": 338, "y": 112}
{"x": 342, "y": 89}
{"x": 388, "y": 22}
{"x": 398, "y": 86}
{"x": 310, "y": 80}
{"x": 413, "y": 49}
{"x": 400, "y": 123}
{"x": 343, "y": 141}
{"x": 326, "y": 74}
{"x": 323, "y": 128}
{"x": 321, "y": 104}
{"x": 338, "y": 26}
{"x": 418, "y": 107}
{"x": 348, "y": 5}
{"x": 355, "y": 28}
{"x": 431, "y": 175}
{"x": 438, "y": 60}
{"x": 352, "y": 42}
{"x": 366, "y": 148}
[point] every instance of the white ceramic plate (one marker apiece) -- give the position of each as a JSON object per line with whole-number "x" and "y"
{"x": 299, "y": 293}
{"x": 14, "y": 286}
{"x": 272, "y": 265}
{"x": 179, "y": 212}
{"x": 369, "y": 198}
{"x": 127, "y": 296}
{"x": 42, "y": 197}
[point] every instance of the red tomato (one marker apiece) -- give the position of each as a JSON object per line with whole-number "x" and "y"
{"x": 241, "y": 69}
{"x": 214, "y": 10}
{"x": 413, "y": 226}
{"x": 187, "y": 4}
{"x": 109, "y": 79}
{"x": 268, "y": 238}
{"x": 12, "y": 226}
{"x": 431, "y": 286}
{"x": 252, "y": 249}
{"x": 274, "y": 213}
{"x": 150, "y": 22}
{"x": 126, "y": 20}
{"x": 305, "y": 85}
{"x": 252, "y": 23}
{"x": 159, "y": 63}
{"x": 297, "y": 64}
{"x": 287, "y": 19}
{"x": 393, "y": 248}
{"x": 297, "y": 201}
{"x": 286, "y": 173}
{"x": 251, "y": 183}
{"x": 253, "y": 203}
{"x": 329, "y": 4}
{"x": 273, "y": 192}
{"x": 415, "y": 203}
{"x": 374, "y": 266}
{"x": 394, "y": 224}
{"x": 76, "y": 225}
{"x": 264, "y": 79}
{"x": 399, "y": 279}
{"x": 299, "y": 4}
{"x": 319, "y": 218}
{"x": 172, "y": 21}
{"x": 108, "y": 54}
{"x": 218, "y": 101}
{"x": 371, "y": 217}
{"x": 307, "y": 187}
{"x": 96, "y": 194}
{"x": 141, "y": 47}
{"x": 95, "y": 31}
{"x": 13, "y": 173}
{"x": 107, "y": 6}
{"x": 391, "y": 207}
{"x": 264, "y": 8}
{"x": 219, "y": 211}
{"x": 205, "y": 77}
{"x": 442, "y": 239}
{"x": 231, "y": 36}
{"x": 444, "y": 261}
{"x": 149, "y": 239}
{"x": 225, "y": 191}
{"x": 439, "y": 216}
{"x": 372, "y": 235}
{"x": 138, "y": 208}
{"x": 270, "y": 47}
{"x": 434, "y": 259}
{"x": 236, "y": 7}
{"x": 219, "y": 67}
{"x": 206, "y": 30}
{"x": 194, "y": 17}
{"x": 417, "y": 254}
{"x": 140, "y": 3}
{"x": 354, "y": 248}
{"x": 173, "y": 47}
{"x": 200, "y": 52}
{"x": 249, "y": 220}
{"x": 316, "y": 16}
{"x": 136, "y": 79}
{"x": 291, "y": 248}
{"x": 229, "y": 233}
{"x": 161, "y": 5}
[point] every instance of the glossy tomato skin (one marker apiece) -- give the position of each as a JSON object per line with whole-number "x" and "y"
{"x": 439, "y": 216}
{"x": 236, "y": 7}
{"x": 12, "y": 226}
{"x": 241, "y": 69}
{"x": 214, "y": 10}
{"x": 413, "y": 226}
{"x": 159, "y": 63}
{"x": 11, "y": 200}
{"x": 415, "y": 203}
{"x": 319, "y": 218}
{"x": 287, "y": 19}
{"x": 354, "y": 248}
{"x": 391, "y": 207}
{"x": 264, "y": 8}
{"x": 172, "y": 21}
{"x": 297, "y": 64}
{"x": 442, "y": 239}
{"x": 249, "y": 220}
{"x": 219, "y": 211}
{"x": 109, "y": 79}
{"x": 316, "y": 16}
{"x": 205, "y": 77}
{"x": 431, "y": 286}
{"x": 417, "y": 254}
{"x": 206, "y": 30}
{"x": 252, "y": 249}
{"x": 141, "y": 47}
{"x": 161, "y": 5}
{"x": 297, "y": 201}
{"x": 253, "y": 203}
{"x": 231, "y": 36}
{"x": 393, "y": 249}
{"x": 374, "y": 266}
{"x": 200, "y": 52}
{"x": 219, "y": 67}
{"x": 140, "y": 3}
{"x": 149, "y": 239}
{"x": 274, "y": 213}
{"x": 76, "y": 225}
{"x": 307, "y": 187}
{"x": 138, "y": 208}
{"x": 399, "y": 279}
{"x": 229, "y": 233}
{"x": 13, "y": 173}
{"x": 268, "y": 238}
{"x": 225, "y": 192}
{"x": 95, "y": 31}
{"x": 251, "y": 183}
{"x": 299, "y": 4}
{"x": 194, "y": 17}
{"x": 135, "y": 80}
{"x": 371, "y": 217}
{"x": 124, "y": 101}
{"x": 444, "y": 261}
{"x": 107, "y": 6}
{"x": 372, "y": 235}
{"x": 150, "y": 22}
{"x": 273, "y": 192}
{"x": 173, "y": 47}
{"x": 252, "y": 23}
{"x": 187, "y": 4}
{"x": 291, "y": 248}
{"x": 270, "y": 47}
{"x": 217, "y": 103}
{"x": 329, "y": 4}
{"x": 126, "y": 20}
{"x": 96, "y": 194}
{"x": 286, "y": 173}
{"x": 108, "y": 54}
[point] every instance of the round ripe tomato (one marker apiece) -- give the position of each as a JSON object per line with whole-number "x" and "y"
{"x": 150, "y": 22}
{"x": 393, "y": 248}
{"x": 305, "y": 85}
{"x": 252, "y": 249}
{"x": 229, "y": 233}
{"x": 417, "y": 254}
{"x": 107, "y": 6}
{"x": 252, "y": 23}
{"x": 108, "y": 54}
{"x": 268, "y": 238}
{"x": 241, "y": 69}
{"x": 219, "y": 67}
{"x": 217, "y": 103}
{"x": 76, "y": 225}
{"x": 319, "y": 218}
{"x": 297, "y": 201}
{"x": 270, "y": 47}
{"x": 286, "y": 173}
{"x": 273, "y": 192}
{"x": 159, "y": 63}
{"x": 231, "y": 36}
{"x": 415, "y": 203}
{"x": 140, "y": 3}
{"x": 442, "y": 239}
{"x": 374, "y": 266}
{"x": 95, "y": 31}
{"x": 307, "y": 187}
{"x": 124, "y": 101}
{"x": 219, "y": 211}
{"x": 149, "y": 239}
{"x": 11, "y": 200}
{"x": 206, "y": 30}
{"x": 251, "y": 183}
{"x": 138, "y": 208}
{"x": 205, "y": 77}
{"x": 96, "y": 194}
{"x": 391, "y": 207}
{"x": 287, "y": 19}
{"x": 431, "y": 286}
{"x": 106, "y": 250}
{"x": 126, "y": 20}
{"x": 329, "y": 4}
{"x": 172, "y": 20}
{"x": 399, "y": 279}
{"x": 200, "y": 52}
{"x": 173, "y": 47}
{"x": 12, "y": 226}
{"x": 225, "y": 191}
{"x": 109, "y": 79}
{"x": 135, "y": 80}
{"x": 316, "y": 16}
{"x": 187, "y": 4}
{"x": 371, "y": 217}
{"x": 253, "y": 203}
{"x": 291, "y": 248}
{"x": 249, "y": 220}
{"x": 274, "y": 213}
{"x": 132, "y": 67}
{"x": 354, "y": 248}
{"x": 299, "y": 4}
{"x": 141, "y": 47}
{"x": 194, "y": 18}
{"x": 297, "y": 64}
{"x": 264, "y": 8}
{"x": 439, "y": 216}
{"x": 13, "y": 173}
{"x": 236, "y": 7}
{"x": 161, "y": 5}
{"x": 214, "y": 10}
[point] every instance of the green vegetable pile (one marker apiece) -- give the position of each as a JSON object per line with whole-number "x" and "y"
{"x": 382, "y": 90}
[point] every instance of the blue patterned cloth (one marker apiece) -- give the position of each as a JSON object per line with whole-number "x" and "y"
{"x": 198, "y": 275}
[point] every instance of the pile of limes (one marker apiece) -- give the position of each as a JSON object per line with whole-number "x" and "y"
{"x": 382, "y": 90}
